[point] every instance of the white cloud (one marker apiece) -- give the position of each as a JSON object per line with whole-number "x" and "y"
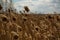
{"x": 45, "y": 0}
{"x": 4, "y": 0}
{"x": 37, "y": 5}
{"x": 31, "y": 4}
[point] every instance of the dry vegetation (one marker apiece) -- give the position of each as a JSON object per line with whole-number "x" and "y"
{"x": 0, "y": 7}
{"x": 26, "y": 8}
{"x": 15, "y": 26}
{"x": 29, "y": 26}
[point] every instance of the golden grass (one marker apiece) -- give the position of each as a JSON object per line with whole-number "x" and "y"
{"x": 29, "y": 26}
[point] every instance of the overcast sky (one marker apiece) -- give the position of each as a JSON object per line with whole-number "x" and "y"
{"x": 38, "y": 5}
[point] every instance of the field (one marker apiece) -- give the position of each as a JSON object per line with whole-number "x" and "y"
{"x": 29, "y": 26}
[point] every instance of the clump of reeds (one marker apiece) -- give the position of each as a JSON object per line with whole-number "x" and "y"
{"x": 0, "y": 7}
{"x": 26, "y": 8}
